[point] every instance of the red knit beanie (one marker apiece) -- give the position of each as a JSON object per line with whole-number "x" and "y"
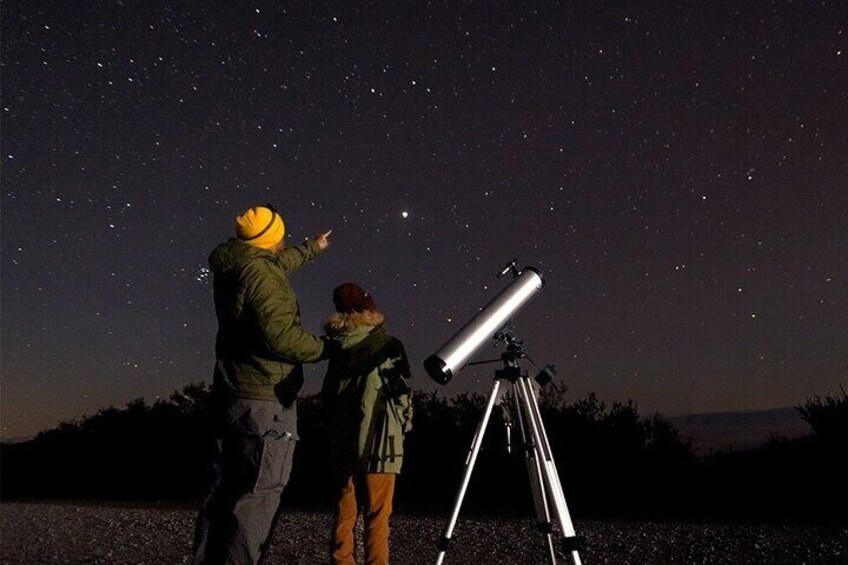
{"x": 350, "y": 297}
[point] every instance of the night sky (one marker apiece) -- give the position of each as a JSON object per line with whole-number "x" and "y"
{"x": 677, "y": 170}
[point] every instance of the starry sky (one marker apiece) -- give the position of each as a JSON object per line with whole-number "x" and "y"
{"x": 677, "y": 170}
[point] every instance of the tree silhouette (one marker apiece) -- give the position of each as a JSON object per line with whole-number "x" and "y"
{"x": 828, "y": 416}
{"x": 612, "y": 461}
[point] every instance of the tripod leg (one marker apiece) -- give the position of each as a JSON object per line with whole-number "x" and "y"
{"x": 469, "y": 467}
{"x": 549, "y": 471}
{"x": 534, "y": 471}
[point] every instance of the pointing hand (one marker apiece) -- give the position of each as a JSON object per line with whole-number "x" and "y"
{"x": 322, "y": 241}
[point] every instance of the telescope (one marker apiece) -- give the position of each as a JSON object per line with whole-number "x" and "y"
{"x": 459, "y": 349}
{"x": 490, "y": 323}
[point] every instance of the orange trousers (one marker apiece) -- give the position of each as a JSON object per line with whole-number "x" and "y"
{"x": 374, "y": 492}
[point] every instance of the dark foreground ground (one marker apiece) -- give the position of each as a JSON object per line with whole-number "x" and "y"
{"x": 67, "y": 533}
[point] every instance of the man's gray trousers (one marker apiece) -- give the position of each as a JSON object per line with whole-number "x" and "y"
{"x": 251, "y": 465}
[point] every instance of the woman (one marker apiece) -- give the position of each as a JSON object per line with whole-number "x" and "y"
{"x": 367, "y": 403}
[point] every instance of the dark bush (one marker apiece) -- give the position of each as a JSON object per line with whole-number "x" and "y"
{"x": 828, "y": 416}
{"x": 140, "y": 452}
{"x": 798, "y": 480}
{"x": 612, "y": 461}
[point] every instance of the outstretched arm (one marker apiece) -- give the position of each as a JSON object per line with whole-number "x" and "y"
{"x": 292, "y": 258}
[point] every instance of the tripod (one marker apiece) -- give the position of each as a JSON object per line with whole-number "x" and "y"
{"x": 544, "y": 480}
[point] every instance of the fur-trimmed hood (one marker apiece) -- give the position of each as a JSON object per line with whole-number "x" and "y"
{"x": 356, "y": 322}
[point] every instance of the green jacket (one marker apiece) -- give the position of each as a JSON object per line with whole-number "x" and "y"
{"x": 260, "y": 343}
{"x": 365, "y": 395}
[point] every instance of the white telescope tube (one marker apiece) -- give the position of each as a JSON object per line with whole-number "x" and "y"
{"x": 459, "y": 349}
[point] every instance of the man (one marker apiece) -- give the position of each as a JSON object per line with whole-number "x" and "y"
{"x": 259, "y": 349}
{"x": 368, "y": 408}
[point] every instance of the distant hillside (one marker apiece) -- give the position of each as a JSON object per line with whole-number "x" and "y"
{"x": 17, "y": 439}
{"x": 740, "y": 430}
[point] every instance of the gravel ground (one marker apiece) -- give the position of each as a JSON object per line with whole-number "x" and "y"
{"x": 67, "y": 533}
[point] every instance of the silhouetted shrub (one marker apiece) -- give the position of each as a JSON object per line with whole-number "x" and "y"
{"x": 612, "y": 461}
{"x": 799, "y": 480}
{"x": 828, "y": 416}
{"x": 140, "y": 452}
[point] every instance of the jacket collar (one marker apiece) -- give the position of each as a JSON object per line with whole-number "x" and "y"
{"x": 350, "y": 329}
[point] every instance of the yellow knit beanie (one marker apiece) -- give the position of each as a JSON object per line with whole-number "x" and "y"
{"x": 261, "y": 226}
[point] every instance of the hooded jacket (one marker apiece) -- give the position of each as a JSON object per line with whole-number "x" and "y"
{"x": 260, "y": 343}
{"x": 365, "y": 395}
